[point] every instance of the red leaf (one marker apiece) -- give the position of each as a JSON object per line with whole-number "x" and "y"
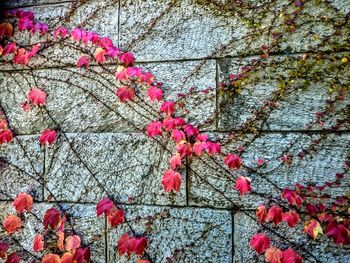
{"x": 175, "y": 161}
{"x": 51, "y": 258}
{"x": 127, "y": 58}
{"x": 155, "y": 93}
{"x": 168, "y": 107}
{"x": 273, "y": 255}
{"x": 128, "y": 245}
{"x": 38, "y": 243}
{"x": 233, "y": 161}
{"x": 260, "y": 243}
{"x": 13, "y": 258}
{"x": 3, "y": 249}
{"x": 72, "y": 243}
{"x": 104, "y": 206}
{"x": 83, "y": 61}
{"x": 274, "y": 214}
{"x": 142, "y": 261}
{"x": 37, "y": 97}
{"x": 82, "y": 255}
{"x": 154, "y": 129}
{"x": 140, "y": 245}
{"x": 171, "y": 181}
{"x": 6, "y": 136}
{"x": 125, "y": 93}
{"x": 290, "y": 256}
{"x": 51, "y": 218}
{"x": 292, "y": 197}
{"x": 261, "y": 213}
{"x": 339, "y": 232}
{"x": 291, "y": 217}
{"x": 47, "y": 137}
{"x": 23, "y": 202}
{"x": 12, "y": 223}
{"x": 115, "y": 217}
{"x": 243, "y": 185}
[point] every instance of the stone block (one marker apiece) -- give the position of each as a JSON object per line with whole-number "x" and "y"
{"x": 167, "y": 30}
{"x": 299, "y": 87}
{"x": 320, "y": 166}
{"x": 199, "y": 235}
{"x": 128, "y": 167}
{"x": 21, "y": 167}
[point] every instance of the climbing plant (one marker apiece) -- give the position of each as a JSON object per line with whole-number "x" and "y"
{"x": 318, "y": 208}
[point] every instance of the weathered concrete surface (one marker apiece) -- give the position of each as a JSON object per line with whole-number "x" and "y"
{"x": 204, "y": 234}
{"x": 83, "y": 217}
{"x": 21, "y": 168}
{"x": 245, "y": 227}
{"x": 84, "y": 101}
{"x": 318, "y": 168}
{"x": 128, "y": 166}
{"x": 163, "y": 30}
{"x": 306, "y": 87}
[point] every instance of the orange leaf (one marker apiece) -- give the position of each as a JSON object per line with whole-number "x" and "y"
{"x": 6, "y": 29}
{"x": 67, "y": 257}
{"x": 23, "y": 202}
{"x": 60, "y": 242}
{"x": 51, "y": 258}
{"x": 273, "y": 255}
{"x": 73, "y": 243}
{"x": 12, "y": 223}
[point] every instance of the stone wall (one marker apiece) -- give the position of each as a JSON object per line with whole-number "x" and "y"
{"x": 186, "y": 44}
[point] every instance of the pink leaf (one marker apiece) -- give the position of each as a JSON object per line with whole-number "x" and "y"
{"x": 83, "y": 61}
{"x": 37, "y": 97}
{"x": 260, "y": 243}
{"x": 154, "y": 129}
{"x": 155, "y": 93}
{"x": 243, "y": 185}
{"x": 47, "y": 137}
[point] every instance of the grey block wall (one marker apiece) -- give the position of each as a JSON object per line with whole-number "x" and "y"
{"x": 188, "y": 45}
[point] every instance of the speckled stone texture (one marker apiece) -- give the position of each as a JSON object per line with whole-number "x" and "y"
{"x": 191, "y": 46}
